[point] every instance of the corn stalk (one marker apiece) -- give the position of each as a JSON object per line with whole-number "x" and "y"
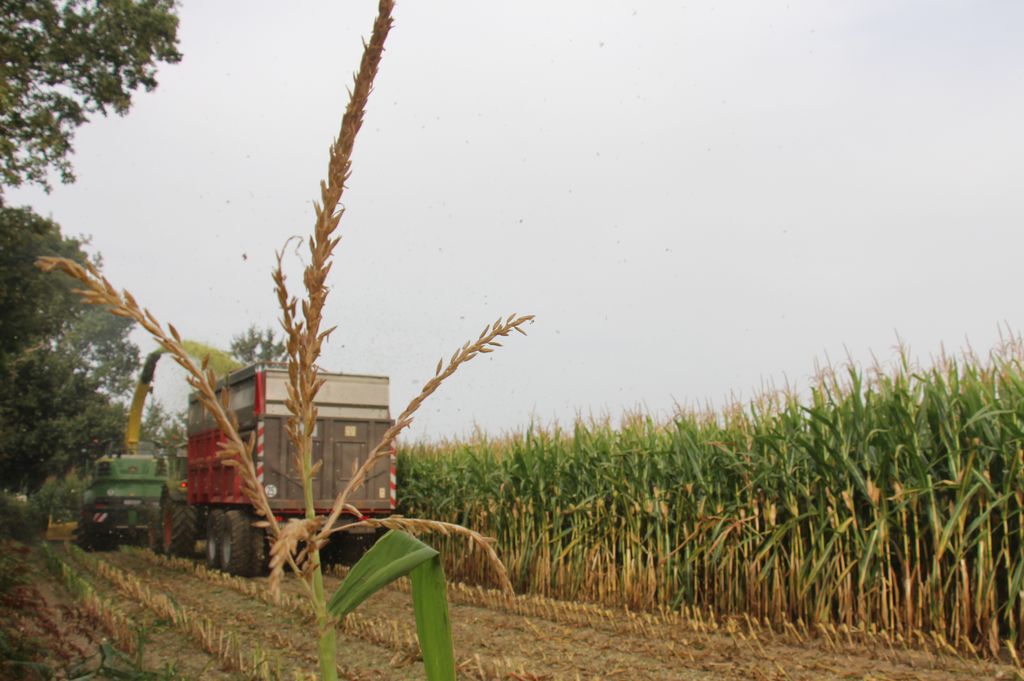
{"x": 888, "y": 500}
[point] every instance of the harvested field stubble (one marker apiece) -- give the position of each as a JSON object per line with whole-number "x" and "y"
{"x": 245, "y": 656}
{"x": 391, "y": 633}
{"x": 504, "y": 636}
{"x": 888, "y": 504}
{"x": 114, "y": 621}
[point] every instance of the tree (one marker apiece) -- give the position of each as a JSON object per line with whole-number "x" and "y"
{"x": 255, "y": 345}
{"x": 62, "y": 60}
{"x": 31, "y": 307}
{"x": 164, "y": 428}
{"x": 64, "y": 367}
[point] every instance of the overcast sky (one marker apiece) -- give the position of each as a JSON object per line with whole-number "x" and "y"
{"x": 694, "y": 198}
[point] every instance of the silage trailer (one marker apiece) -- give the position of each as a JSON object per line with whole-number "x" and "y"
{"x": 207, "y": 501}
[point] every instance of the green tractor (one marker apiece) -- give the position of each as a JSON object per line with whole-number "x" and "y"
{"x": 124, "y": 496}
{"x": 118, "y": 506}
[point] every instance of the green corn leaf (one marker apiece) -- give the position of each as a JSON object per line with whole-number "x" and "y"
{"x": 430, "y": 602}
{"x": 394, "y": 555}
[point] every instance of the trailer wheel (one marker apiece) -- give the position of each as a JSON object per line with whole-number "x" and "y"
{"x": 178, "y": 527}
{"x": 236, "y": 544}
{"x": 214, "y": 532}
{"x": 258, "y": 559}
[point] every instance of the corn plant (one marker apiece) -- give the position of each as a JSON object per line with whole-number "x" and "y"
{"x": 887, "y": 500}
{"x": 296, "y": 545}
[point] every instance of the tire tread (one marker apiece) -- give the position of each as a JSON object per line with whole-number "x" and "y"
{"x": 183, "y": 527}
{"x": 237, "y": 529}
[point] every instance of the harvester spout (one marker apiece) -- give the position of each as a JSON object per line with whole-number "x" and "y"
{"x": 131, "y": 433}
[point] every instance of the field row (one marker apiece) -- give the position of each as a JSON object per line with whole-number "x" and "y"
{"x": 395, "y": 634}
{"x": 497, "y": 635}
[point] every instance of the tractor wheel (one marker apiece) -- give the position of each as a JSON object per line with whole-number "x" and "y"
{"x": 99, "y": 541}
{"x": 155, "y": 532}
{"x": 236, "y": 543}
{"x": 214, "y": 532}
{"x": 178, "y": 528}
{"x": 84, "y": 539}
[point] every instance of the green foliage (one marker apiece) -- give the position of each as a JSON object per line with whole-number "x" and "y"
{"x": 53, "y": 417}
{"x": 32, "y": 306}
{"x": 395, "y": 555}
{"x": 19, "y": 520}
{"x": 433, "y": 625}
{"x": 64, "y": 60}
{"x": 892, "y": 502}
{"x": 255, "y": 345}
{"x": 59, "y": 499}
{"x": 166, "y": 430}
{"x": 62, "y": 365}
{"x": 102, "y": 345}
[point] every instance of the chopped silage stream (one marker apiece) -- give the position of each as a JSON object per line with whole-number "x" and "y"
{"x": 502, "y": 637}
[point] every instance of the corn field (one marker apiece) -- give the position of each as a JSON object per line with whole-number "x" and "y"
{"x": 882, "y": 501}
